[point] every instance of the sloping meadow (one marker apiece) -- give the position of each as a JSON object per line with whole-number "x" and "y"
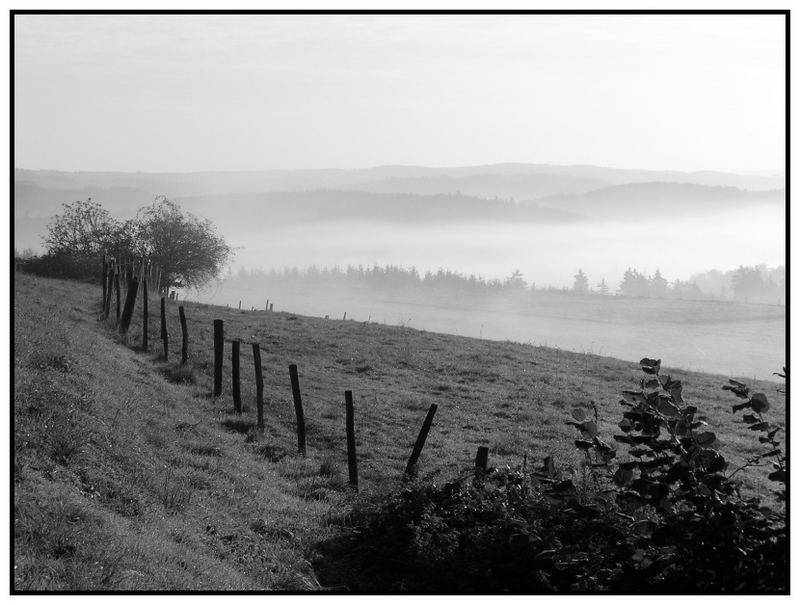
{"x": 133, "y": 463}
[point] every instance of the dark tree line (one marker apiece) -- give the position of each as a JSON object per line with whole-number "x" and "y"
{"x": 386, "y": 277}
{"x": 746, "y": 283}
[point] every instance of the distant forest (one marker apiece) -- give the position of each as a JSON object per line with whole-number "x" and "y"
{"x": 758, "y": 284}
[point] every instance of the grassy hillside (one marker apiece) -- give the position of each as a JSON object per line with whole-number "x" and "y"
{"x": 129, "y": 476}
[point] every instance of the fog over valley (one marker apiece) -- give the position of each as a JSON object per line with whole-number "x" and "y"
{"x": 490, "y": 223}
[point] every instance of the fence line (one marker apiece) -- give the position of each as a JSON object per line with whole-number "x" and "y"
{"x": 133, "y": 275}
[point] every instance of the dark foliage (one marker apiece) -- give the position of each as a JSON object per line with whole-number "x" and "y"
{"x": 63, "y": 265}
{"x": 665, "y": 519}
{"x": 188, "y": 249}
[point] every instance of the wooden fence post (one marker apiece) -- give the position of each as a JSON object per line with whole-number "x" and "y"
{"x": 298, "y": 410}
{"x": 184, "y": 337}
{"x": 351, "y": 439}
{"x": 164, "y": 333}
{"x": 144, "y": 313}
{"x": 411, "y": 467}
{"x": 130, "y": 302}
{"x": 158, "y": 280}
{"x": 105, "y": 276}
{"x": 237, "y": 394}
{"x": 481, "y": 460}
{"x": 240, "y": 305}
{"x": 219, "y": 345}
{"x": 116, "y": 289}
{"x": 109, "y": 289}
{"x": 259, "y": 385}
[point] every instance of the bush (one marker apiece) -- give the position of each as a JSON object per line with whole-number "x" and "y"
{"x": 667, "y": 519}
{"x": 500, "y": 533}
{"x": 86, "y": 268}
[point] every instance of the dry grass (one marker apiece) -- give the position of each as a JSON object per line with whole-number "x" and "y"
{"x": 129, "y": 476}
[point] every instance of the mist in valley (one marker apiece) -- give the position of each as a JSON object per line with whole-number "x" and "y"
{"x": 526, "y": 252}
{"x": 547, "y": 254}
{"x": 548, "y": 257}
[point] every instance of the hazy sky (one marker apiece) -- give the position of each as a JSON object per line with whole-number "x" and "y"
{"x": 220, "y": 92}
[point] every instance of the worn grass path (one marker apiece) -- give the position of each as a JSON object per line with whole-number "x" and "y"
{"x": 129, "y": 476}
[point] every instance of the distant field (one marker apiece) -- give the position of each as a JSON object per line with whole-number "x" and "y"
{"x": 734, "y": 339}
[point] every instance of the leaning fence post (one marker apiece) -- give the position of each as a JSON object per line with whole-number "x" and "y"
{"x": 219, "y": 345}
{"x": 351, "y": 439}
{"x": 411, "y": 467}
{"x": 259, "y": 385}
{"x": 298, "y": 410}
{"x": 164, "y": 333}
{"x": 184, "y": 337}
{"x": 237, "y": 394}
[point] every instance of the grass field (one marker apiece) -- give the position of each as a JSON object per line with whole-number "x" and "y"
{"x": 130, "y": 476}
{"x": 719, "y": 337}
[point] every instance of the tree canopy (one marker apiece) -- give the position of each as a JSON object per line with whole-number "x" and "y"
{"x": 84, "y": 228}
{"x": 581, "y": 284}
{"x": 188, "y": 248}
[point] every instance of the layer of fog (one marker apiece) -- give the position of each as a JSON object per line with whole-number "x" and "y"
{"x": 547, "y": 254}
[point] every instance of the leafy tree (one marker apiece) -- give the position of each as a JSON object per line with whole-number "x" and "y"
{"x": 581, "y": 285}
{"x": 686, "y": 290}
{"x": 713, "y": 283}
{"x": 634, "y": 284}
{"x": 188, "y": 248}
{"x": 658, "y": 285}
{"x": 747, "y": 282}
{"x": 85, "y": 228}
{"x": 515, "y": 281}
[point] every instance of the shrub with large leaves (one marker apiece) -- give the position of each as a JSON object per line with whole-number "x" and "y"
{"x": 660, "y": 515}
{"x": 693, "y": 529}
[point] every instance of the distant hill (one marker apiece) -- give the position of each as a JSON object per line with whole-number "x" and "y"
{"x": 34, "y": 200}
{"x": 396, "y": 193}
{"x": 636, "y": 201}
{"x": 749, "y": 182}
{"x": 260, "y": 211}
{"x": 557, "y": 178}
{"x": 507, "y": 186}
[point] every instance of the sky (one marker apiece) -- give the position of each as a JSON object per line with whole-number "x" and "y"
{"x": 178, "y": 93}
